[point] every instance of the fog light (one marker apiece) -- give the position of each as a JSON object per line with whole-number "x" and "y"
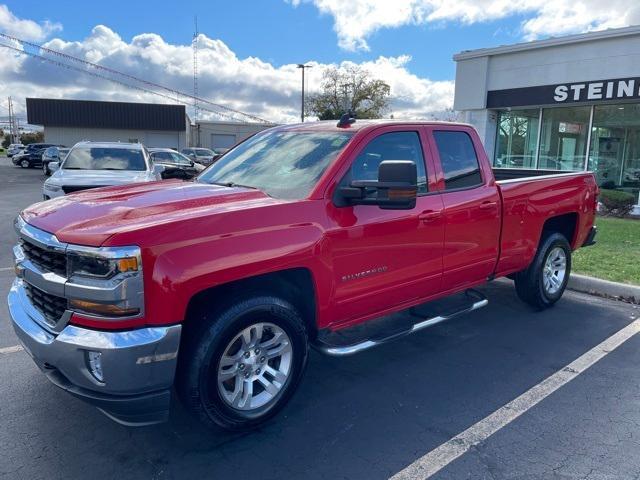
{"x": 95, "y": 365}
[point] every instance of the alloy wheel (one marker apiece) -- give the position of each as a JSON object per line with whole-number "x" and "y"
{"x": 555, "y": 268}
{"x": 255, "y": 367}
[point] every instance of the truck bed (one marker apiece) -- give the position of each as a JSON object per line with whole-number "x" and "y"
{"x": 528, "y": 201}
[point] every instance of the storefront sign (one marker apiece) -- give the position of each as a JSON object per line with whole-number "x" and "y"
{"x": 575, "y": 92}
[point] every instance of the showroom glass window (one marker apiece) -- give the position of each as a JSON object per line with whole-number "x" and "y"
{"x": 563, "y": 139}
{"x": 615, "y": 146}
{"x": 517, "y": 139}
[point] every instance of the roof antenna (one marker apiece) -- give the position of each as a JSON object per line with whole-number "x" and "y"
{"x": 347, "y": 119}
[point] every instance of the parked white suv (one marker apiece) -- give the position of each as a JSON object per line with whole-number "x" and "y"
{"x": 100, "y": 164}
{"x": 14, "y": 149}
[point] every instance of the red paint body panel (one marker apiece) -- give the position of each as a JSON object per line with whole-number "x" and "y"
{"x": 196, "y": 236}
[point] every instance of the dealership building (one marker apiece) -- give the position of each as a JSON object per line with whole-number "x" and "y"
{"x": 562, "y": 104}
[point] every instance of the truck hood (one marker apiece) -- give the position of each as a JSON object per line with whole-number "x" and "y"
{"x": 98, "y": 177}
{"x": 90, "y": 217}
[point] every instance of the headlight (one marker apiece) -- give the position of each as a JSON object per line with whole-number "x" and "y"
{"x": 106, "y": 281}
{"x": 95, "y": 265}
{"x": 51, "y": 187}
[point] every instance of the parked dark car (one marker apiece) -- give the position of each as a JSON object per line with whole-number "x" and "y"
{"x": 176, "y": 165}
{"x": 203, "y": 156}
{"x": 31, "y": 156}
{"x": 53, "y": 154}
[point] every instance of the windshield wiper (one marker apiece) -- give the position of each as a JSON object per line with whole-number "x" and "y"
{"x": 234, "y": 184}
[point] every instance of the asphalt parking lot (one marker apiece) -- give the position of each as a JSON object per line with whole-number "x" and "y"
{"x": 369, "y": 416}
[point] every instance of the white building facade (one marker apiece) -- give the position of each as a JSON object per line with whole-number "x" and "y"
{"x": 222, "y": 135}
{"x": 570, "y": 103}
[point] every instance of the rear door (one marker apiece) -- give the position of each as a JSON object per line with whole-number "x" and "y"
{"x": 384, "y": 258}
{"x": 471, "y": 206}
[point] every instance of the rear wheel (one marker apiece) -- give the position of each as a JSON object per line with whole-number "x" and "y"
{"x": 244, "y": 365}
{"x": 543, "y": 283}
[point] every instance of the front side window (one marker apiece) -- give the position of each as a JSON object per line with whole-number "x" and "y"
{"x": 283, "y": 164}
{"x": 162, "y": 157}
{"x": 179, "y": 159}
{"x": 458, "y": 159}
{"x": 100, "y": 158}
{"x": 390, "y": 146}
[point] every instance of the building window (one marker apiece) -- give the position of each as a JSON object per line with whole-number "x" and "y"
{"x": 615, "y": 146}
{"x": 517, "y": 139}
{"x": 563, "y": 139}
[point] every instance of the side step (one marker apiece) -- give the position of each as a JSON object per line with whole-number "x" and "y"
{"x": 477, "y": 299}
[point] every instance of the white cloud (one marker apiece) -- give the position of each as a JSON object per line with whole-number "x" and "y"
{"x": 356, "y": 20}
{"x": 25, "y": 29}
{"x": 247, "y": 84}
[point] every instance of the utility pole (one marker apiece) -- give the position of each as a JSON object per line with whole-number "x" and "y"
{"x": 303, "y": 67}
{"x": 345, "y": 94}
{"x": 13, "y": 128}
{"x": 194, "y": 45}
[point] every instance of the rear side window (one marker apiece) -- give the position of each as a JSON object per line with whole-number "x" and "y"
{"x": 390, "y": 146}
{"x": 459, "y": 160}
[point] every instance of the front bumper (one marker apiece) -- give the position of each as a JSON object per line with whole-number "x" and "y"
{"x": 138, "y": 366}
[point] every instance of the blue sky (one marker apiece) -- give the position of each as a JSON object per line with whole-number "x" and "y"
{"x": 248, "y": 49}
{"x": 273, "y": 30}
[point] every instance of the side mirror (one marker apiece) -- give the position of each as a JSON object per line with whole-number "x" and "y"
{"x": 54, "y": 166}
{"x": 395, "y": 189}
{"x": 171, "y": 172}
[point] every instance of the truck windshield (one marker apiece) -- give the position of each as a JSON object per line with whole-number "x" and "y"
{"x": 282, "y": 164}
{"x": 82, "y": 158}
{"x": 203, "y": 152}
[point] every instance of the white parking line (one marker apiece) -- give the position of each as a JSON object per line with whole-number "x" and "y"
{"x": 15, "y": 348}
{"x": 3, "y": 269}
{"x": 437, "y": 459}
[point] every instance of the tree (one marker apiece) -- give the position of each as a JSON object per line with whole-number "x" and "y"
{"x": 32, "y": 137}
{"x": 349, "y": 88}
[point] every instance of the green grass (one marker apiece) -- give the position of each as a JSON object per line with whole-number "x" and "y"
{"x": 616, "y": 255}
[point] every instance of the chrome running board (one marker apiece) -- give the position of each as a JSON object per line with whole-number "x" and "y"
{"x": 344, "y": 350}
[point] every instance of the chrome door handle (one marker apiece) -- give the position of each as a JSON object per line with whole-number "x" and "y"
{"x": 488, "y": 205}
{"x": 430, "y": 215}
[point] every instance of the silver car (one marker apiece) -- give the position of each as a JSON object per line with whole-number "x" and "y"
{"x": 100, "y": 164}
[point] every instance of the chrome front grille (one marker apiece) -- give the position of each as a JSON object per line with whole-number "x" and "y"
{"x": 50, "y": 306}
{"x": 46, "y": 260}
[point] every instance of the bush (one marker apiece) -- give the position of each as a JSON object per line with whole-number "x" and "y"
{"x": 616, "y": 203}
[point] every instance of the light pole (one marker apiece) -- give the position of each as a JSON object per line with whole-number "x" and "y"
{"x": 303, "y": 67}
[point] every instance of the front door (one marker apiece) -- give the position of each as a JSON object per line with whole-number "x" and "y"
{"x": 384, "y": 258}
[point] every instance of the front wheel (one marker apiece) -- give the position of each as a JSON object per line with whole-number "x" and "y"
{"x": 543, "y": 283}
{"x": 45, "y": 170}
{"x": 25, "y": 163}
{"x": 245, "y": 365}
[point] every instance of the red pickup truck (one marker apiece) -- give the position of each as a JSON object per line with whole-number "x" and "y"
{"x": 220, "y": 285}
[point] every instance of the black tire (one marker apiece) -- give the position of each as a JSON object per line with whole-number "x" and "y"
{"x": 203, "y": 347}
{"x": 25, "y": 164}
{"x": 45, "y": 169}
{"x": 530, "y": 284}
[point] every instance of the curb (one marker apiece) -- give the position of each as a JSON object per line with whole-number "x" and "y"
{"x": 604, "y": 288}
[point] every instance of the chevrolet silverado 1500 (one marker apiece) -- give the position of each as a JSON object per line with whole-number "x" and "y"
{"x": 219, "y": 286}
